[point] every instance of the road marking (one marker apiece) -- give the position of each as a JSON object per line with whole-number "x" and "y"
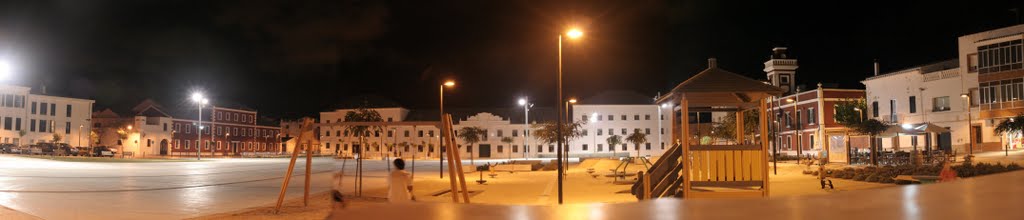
{"x": 543, "y": 199}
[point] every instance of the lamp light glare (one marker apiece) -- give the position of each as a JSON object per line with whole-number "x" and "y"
{"x": 522, "y": 101}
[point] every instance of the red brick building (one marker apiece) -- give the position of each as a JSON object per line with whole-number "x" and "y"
{"x": 226, "y": 131}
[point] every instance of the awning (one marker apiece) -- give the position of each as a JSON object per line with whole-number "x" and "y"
{"x": 912, "y": 129}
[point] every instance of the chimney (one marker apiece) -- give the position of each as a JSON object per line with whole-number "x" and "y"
{"x": 42, "y": 88}
{"x": 712, "y": 63}
{"x": 876, "y": 67}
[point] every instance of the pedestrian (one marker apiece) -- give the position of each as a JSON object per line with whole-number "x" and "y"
{"x": 400, "y": 184}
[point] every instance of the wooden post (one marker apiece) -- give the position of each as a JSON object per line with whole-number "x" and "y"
{"x": 288, "y": 175}
{"x": 739, "y": 127}
{"x": 647, "y": 184}
{"x": 685, "y": 158}
{"x": 309, "y": 167}
{"x": 763, "y": 120}
{"x": 458, "y": 163}
{"x": 447, "y": 130}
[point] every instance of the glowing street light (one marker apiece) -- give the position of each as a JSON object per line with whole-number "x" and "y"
{"x": 6, "y": 69}
{"x": 572, "y": 33}
{"x": 440, "y": 159}
{"x": 526, "y": 126}
{"x": 200, "y": 102}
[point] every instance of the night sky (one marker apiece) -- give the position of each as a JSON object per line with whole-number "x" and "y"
{"x": 296, "y": 58}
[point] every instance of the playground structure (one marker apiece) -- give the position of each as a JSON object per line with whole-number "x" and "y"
{"x": 690, "y": 169}
{"x": 307, "y": 134}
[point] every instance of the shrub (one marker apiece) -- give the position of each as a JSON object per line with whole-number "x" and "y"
{"x": 814, "y": 173}
{"x": 872, "y": 178}
{"x": 859, "y": 177}
{"x": 1012, "y": 167}
{"x": 888, "y": 180}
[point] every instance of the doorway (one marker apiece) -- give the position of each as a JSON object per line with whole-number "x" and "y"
{"x": 485, "y": 150}
{"x": 163, "y": 147}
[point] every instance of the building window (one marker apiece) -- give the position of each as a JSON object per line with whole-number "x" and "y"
{"x": 406, "y": 133}
{"x": 502, "y": 134}
{"x": 585, "y": 132}
{"x": 421, "y": 133}
{"x": 584, "y": 118}
{"x": 647, "y": 131}
{"x": 599, "y": 132}
{"x": 67, "y": 127}
{"x": 940, "y": 104}
{"x": 647, "y": 146}
{"x": 584, "y": 147}
{"x": 623, "y": 117}
{"x": 598, "y": 117}
{"x": 892, "y": 111}
{"x": 636, "y": 117}
{"x": 515, "y": 133}
{"x": 69, "y": 111}
{"x": 7, "y": 123}
{"x": 1000, "y": 57}
{"x": 42, "y": 109}
{"x": 551, "y": 148}
{"x": 600, "y": 147}
{"x": 43, "y": 126}
{"x": 913, "y": 104}
{"x": 874, "y": 109}
{"x": 501, "y": 148}
{"x": 624, "y": 146}
{"x": 430, "y": 133}
{"x": 812, "y": 116}
{"x": 611, "y": 117}
{"x": 623, "y": 131}
{"x": 647, "y": 117}
{"x": 515, "y": 148}
{"x": 33, "y": 108}
{"x": 390, "y": 133}
{"x": 540, "y": 149}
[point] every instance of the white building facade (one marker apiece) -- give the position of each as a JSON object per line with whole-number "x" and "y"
{"x": 603, "y": 121}
{"x": 934, "y": 93}
{"x": 506, "y": 124}
{"x": 42, "y": 117}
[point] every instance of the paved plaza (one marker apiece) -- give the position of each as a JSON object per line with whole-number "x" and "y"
{"x": 158, "y": 190}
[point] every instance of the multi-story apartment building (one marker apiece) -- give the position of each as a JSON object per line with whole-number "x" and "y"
{"x": 997, "y": 58}
{"x": 621, "y": 113}
{"x": 152, "y": 129}
{"x": 934, "y": 93}
{"x": 629, "y": 112}
{"x": 804, "y": 120}
{"x": 42, "y": 118}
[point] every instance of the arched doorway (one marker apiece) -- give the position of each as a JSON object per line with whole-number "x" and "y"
{"x": 163, "y": 147}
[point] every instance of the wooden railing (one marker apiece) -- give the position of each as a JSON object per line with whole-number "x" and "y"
{"x": 727, "y": 166}
{"x": 663, "y": 173}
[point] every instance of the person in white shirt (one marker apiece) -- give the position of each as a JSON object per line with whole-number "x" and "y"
{"x": 400, "y": 184}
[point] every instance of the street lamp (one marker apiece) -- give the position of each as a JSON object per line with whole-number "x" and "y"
{"x": 970, "y": 131}
{"x": 440, "y": 161}
{"x": 526, "y": 125}
{"x": 798, "y": 131}
{"x": 6, "y": 69}
{"x": 573, "y": 33}
{"x": 200, "y": 101}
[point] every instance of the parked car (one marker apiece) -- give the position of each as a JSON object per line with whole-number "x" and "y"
{"x": 102, "y": 151}
{"x": 81, "y": 151}
{"x": 9, "y": 149}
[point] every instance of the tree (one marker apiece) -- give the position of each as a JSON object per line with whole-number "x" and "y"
{"x": 614, "y": 140}
{"x": 849, "y": 112}
{"x": 637, "y": 138}
{"x": 21, "y": 136}
{"x": 362, "y": 114}
{"x": 57, "y": 137}
{"x": 122, "y": 135}
{"x": 1010, "y": 126}
{"x": 508, "y": 141}
{"x": 726, "y": 129}
{"x": 872, "y": 128}
{"x": 471, "y": 135}
{"x": 547, "y": 132}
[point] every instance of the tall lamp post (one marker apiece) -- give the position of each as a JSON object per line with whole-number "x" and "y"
{"x": 970, "y": 131}
{"x": 526, "y": 125}
{"x": 200, "y": 101}
{"x": 571, "y": 34}
{"x": 80, "y": 135}
{"x": 568, "y": 119}
{"x": 440, "y": 158}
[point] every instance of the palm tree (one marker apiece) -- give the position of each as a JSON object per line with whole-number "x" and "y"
{"x": 508, "y": 141}
{"x": 1010, "y": 126}
{"x": 613, "y": 141}
{"x": 547, "y": 132}
{"x": 21, "y": 136}
{"x": 57, "y": 137}
{"x": 362, "y": 114}
{"x": 637, "y": 138}
{"x": 471, "y": 135}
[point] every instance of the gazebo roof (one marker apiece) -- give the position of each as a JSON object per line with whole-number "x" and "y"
{"x": 716, "y": 87}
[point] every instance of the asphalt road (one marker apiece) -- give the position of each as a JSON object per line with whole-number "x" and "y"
{"x": 164, "y": 190}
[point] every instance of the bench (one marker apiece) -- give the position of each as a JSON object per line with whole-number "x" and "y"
{"x": 511, "y": 168}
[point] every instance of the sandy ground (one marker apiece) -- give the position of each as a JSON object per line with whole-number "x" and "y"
{"x": 536, "y": 188}
{"x": 10, "y": 214}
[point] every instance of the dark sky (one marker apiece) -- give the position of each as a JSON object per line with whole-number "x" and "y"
{"x": 296, "y": 58}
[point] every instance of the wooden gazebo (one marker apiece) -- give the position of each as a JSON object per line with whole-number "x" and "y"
{"x": 734, "y": 170}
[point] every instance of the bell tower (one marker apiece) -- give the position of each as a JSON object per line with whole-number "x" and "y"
{"x": 781, "y": 70}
